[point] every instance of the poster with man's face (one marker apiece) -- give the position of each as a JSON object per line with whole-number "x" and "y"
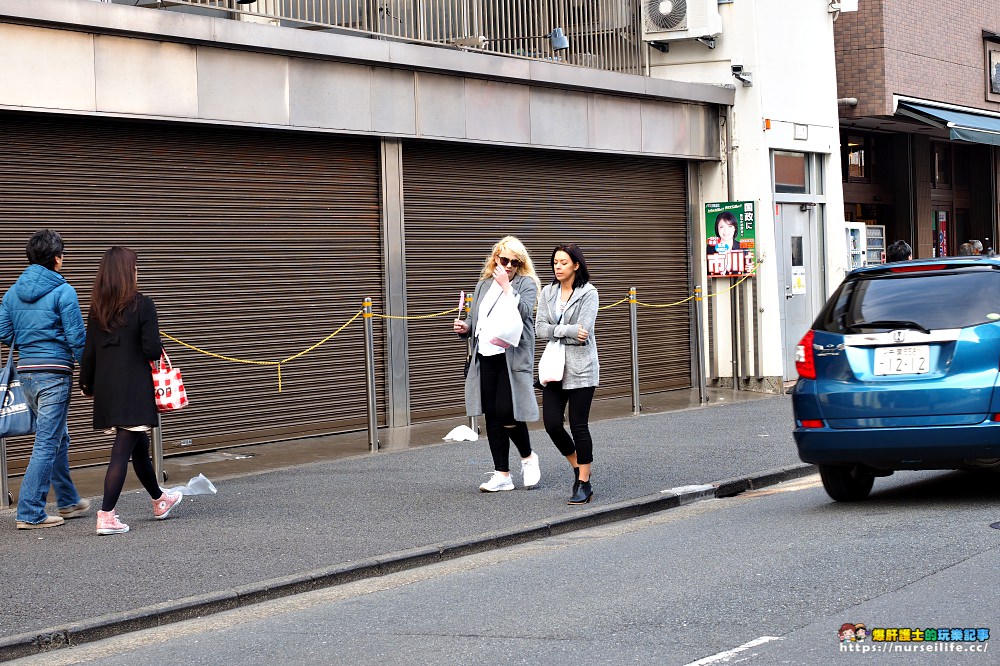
{"x": 731, "y": 241}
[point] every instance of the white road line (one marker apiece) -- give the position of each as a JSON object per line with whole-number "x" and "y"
{"x": 728, "y": 654}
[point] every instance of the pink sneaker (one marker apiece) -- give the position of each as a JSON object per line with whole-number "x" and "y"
{"x": 162, "y": 506}
{"x": 108, "y": 523}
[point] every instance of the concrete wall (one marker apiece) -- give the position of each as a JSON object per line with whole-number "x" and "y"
{"x": 102, "y": 59}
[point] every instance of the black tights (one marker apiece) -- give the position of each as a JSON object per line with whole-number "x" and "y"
{"x": 554, "y": 401}
{"x": 498, "y": 408}
{"x": 134, "y": 445}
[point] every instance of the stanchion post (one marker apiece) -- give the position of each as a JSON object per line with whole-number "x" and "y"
{"x": 4, "y": 485}
{"x": 699, "y": 303}
{"x": 473, "y": 426}
{"x": 633, "y": 316}
{"x": 370, "y": 376}
{"x": 158, "y": 451}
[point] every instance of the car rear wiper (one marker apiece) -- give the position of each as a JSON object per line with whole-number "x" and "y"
{"x": 888, "y": 323}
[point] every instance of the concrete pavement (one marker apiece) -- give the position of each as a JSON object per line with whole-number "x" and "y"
{"x": 301, "y": 515}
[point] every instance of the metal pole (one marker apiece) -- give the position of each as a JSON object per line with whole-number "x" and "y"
{"x": 468, "y": 351}
{"x": 6, "y": 500}
{"x": 158, "y": 451}
{"x": 634, "y": 330}
{"x": 370, "y": 376}
{"x": 734, "y": 327}
{"x": 702, "y": 384}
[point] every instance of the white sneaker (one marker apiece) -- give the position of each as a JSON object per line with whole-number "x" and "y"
{"x": 530, "y": 473}
{"x": 497, "y": 482}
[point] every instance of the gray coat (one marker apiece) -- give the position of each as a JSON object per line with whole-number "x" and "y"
{"x": 582, "y": 366}
{"x": 520, "y": 359}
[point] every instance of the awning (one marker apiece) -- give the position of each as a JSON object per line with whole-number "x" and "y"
{"x": 961, "y": 126}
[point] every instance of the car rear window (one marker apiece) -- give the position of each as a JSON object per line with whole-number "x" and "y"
{"x": 929, "y": 300}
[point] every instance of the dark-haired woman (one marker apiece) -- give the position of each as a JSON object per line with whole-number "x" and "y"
{"x": 123, "y": 336}
{"x": 567, "y": 311}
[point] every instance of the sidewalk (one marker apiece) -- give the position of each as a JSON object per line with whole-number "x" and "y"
{"x": 300, "y": 515}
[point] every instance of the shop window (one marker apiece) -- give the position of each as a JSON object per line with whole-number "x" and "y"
{"x": 941, "y": 166}
{"x": 790, "y": 172}
{"x": 857, "y": 159}
{"x": 991, "y": 45}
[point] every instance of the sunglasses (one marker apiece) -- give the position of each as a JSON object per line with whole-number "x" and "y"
{"x": 516, "y": 263}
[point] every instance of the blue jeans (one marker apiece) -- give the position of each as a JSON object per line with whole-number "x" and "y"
{"x": 48, "y": 395}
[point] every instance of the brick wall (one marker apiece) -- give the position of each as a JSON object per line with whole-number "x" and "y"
{"x": 930, "y": 49}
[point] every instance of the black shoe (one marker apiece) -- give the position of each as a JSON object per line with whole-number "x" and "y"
{"x": 576, "y": 479}
{"x": 583, "y": 494}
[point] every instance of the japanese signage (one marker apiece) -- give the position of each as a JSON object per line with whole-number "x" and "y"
{"x": 730, "y": 229}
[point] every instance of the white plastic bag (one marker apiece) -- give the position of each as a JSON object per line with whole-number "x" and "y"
{"x": 199, "y": 485}
{"x": 462, "y": 433}
{"x": 552, "y": 364}
{"x": 503, "y": 326}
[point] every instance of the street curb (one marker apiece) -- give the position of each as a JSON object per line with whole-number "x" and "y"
{"x": 158, "y": 615}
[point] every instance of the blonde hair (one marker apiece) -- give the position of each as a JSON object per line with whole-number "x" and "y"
{"x": 517, "y": 247}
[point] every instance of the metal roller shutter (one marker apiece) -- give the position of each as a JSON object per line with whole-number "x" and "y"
{"x": 628, "y": 214}
{"x": 254, "y": 245}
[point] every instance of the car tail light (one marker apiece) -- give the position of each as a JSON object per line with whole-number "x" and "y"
{"x": 917, "y": 269}
{"x": 812, "y": 423}
{"x": 996, "y": 417}
{"x": 804, "y": 363}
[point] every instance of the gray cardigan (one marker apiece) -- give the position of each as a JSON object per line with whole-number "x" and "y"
{"x": 582, "y": 366}
{"x": 520, "y": 359}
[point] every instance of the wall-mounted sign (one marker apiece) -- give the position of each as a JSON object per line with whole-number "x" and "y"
{"x": 798, "y": 280}
{"x": 731, "y": 238}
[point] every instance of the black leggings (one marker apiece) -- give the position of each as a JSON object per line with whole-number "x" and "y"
{"x": 554, "y": 401}
{"x": 498, "y": 407}
{"x": 135, "y": 445}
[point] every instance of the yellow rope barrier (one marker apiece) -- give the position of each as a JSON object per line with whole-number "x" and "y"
{"x": 426, "y": 316}
{"x": 608, "y": 307}
{"x": 244, "y": 361}
{"x": 250, "y": 362}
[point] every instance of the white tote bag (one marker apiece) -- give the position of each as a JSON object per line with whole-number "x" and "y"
{"x": 503, "y": 325}
{"x": 552, "y": 364}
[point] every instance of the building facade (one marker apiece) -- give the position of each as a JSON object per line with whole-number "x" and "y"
{"x": 920, "y": 122}
{"x": 273, "y": 174}
{"x": 782, "y": 153}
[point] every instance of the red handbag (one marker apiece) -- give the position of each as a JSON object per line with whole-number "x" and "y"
{"x": 168, "y": 387}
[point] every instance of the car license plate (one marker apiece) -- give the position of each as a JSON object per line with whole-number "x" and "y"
{"x": 911, "y": 360}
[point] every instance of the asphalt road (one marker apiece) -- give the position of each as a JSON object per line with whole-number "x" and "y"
{"x": 767, "y": 577}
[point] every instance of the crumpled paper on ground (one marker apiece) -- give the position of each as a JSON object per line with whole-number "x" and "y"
{"x": 199, "y": 485}
{"x": 462, "y": 433}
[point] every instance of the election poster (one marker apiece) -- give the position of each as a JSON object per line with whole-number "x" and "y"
{"x": 731, "y": 240}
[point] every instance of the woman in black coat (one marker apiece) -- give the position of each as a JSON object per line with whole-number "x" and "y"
{"x": 123, "y": 336}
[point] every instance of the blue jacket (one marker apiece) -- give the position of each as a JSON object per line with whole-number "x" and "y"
{"x": 41, "y": 313}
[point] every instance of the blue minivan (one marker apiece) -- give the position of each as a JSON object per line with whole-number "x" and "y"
{"x": 901, "y": 371}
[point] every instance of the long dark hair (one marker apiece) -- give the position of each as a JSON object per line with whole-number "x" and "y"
{"x": 114, "y": 287}
{"x": 582, "y": 276}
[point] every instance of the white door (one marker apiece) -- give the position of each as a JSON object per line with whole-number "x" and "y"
{"x": 798, "y": 276}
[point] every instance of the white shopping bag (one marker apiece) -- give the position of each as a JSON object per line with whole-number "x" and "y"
{"x": 503, "y": 326}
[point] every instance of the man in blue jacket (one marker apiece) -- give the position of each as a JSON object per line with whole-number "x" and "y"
{"x": 40, "y": 315}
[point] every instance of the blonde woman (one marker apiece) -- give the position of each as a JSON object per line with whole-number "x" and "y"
{"x": 499, "y": 383}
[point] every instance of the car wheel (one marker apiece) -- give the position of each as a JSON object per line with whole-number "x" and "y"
{"x": 846, "y": 483}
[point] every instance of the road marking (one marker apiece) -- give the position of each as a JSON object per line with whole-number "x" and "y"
{"x": 812, "y": 481}
{"x": 728, "y": 654}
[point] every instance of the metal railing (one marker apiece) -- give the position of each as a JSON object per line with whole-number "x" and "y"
{"x": 603, "y": 34}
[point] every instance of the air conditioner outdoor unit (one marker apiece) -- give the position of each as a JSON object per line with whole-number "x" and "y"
{"x": 674, "y": 20}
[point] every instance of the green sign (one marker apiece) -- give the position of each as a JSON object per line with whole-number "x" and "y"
{"x": 730, "y": 229}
